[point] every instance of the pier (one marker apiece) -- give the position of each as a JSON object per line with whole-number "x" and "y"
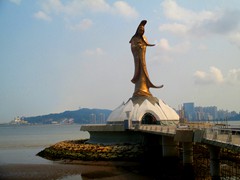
{"x": 179, "y": 142}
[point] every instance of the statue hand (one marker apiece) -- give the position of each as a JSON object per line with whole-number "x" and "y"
{"x": 150, "y": 44}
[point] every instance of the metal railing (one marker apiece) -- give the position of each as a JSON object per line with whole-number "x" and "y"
{"x": 224, "y": 136}
{"x": 210, "y": 133}
{"x": 157, "y": 128}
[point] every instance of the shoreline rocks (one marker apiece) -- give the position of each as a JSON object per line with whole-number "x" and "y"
{"x": 82, "y": 150}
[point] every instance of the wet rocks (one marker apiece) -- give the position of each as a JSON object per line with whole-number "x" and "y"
{"x": 81, "y": 150}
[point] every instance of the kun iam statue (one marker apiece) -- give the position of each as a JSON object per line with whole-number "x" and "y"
{"x": 141, "y": 78}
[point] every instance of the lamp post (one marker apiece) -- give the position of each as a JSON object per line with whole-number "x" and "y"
{"x": 128, "y": 119}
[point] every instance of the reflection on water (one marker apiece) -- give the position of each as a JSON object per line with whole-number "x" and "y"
{"x": 22, "y": 156}
{"x": 39, "y": 135}
{"x": 71, "y": 177}
{"x": 20, "y": 144}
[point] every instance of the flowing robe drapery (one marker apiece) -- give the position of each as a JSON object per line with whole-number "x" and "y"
{"x": 141, "y": 78}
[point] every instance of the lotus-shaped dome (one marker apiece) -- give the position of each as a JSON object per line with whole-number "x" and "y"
{"x": 140, "y": 109}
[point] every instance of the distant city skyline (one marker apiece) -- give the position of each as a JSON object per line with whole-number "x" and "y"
{"x": 58, "y": 55}
{"x": 101, "y": 117}
{"x": 200, "y": 113}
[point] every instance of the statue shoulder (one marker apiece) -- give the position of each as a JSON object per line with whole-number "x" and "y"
{"x": 132, "y": 39}
{"x": 136, "y": 39}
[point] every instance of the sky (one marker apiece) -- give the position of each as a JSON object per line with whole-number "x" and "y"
{"x": 58, "y": 55}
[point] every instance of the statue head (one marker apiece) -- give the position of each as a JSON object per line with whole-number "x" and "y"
{"x": 140, "y": 29}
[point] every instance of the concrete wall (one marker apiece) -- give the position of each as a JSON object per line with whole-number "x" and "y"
{"x": 115, "y": 137}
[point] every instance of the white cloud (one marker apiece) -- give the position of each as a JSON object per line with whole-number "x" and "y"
{"x": 178, "y": 48}
{"x": 122, "y": 8}
{"x": 71, "y": 10}
{"x": 42, "y": 15}
{"x": 233, "y": 76}
{"x": 175, "y": 28}
{"x": 163, "y": 44}
{"x": 202, "y": 47}
{"x": 174, "y": 12}
{"x": 52, "y": 6}
{"x": 215, "y": 76}
{"x": 83, "y": 25}
{"x": 75, "y": 8}
{"x": 167, "y": 52}
{"x": 94, "y": 52}
{"x": 201, "y": 23}
{"x": 16, "y": 1}
{"x": 97, "y": 5}
{"x": 235, "y": 38}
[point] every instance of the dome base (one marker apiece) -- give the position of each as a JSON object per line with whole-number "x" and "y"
{"x": 139, "y": 109}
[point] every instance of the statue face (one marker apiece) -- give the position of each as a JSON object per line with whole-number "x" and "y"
{"x": 140, "y": 30}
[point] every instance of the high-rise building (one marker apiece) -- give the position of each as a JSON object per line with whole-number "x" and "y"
{"x": 211, "y": 111}
{"x": 199, "y": 113}
{"x": 189, "y": 112}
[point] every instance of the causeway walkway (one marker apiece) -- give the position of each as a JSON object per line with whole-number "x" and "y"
{"x": 212, "y": 135}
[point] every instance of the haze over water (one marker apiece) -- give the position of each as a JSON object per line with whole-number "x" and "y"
{"x": 20, "y": 144}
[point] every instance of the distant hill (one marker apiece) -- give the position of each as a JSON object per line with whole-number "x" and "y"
{"x": 81, "y": 116}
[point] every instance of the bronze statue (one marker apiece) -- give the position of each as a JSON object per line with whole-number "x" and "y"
{"x": 141, "y": 77}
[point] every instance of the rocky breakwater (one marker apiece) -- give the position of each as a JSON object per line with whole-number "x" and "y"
{"x": 82, "y": 150}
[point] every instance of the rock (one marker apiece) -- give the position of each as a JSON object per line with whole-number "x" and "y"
{"x": 79, "y": 150}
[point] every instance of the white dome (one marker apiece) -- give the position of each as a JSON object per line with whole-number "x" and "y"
{"x": 138, "y": 106}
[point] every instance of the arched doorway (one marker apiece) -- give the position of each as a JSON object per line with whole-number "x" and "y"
{"x": 148, "y": 118}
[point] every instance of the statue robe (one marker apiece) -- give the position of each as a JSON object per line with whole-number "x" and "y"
{"x": 141, "y": 78}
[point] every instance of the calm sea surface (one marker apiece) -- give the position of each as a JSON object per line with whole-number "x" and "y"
{"x": 20, "y": 144}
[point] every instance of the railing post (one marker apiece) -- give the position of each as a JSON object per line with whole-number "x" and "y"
{"x": 214, "y": 162}
{"x": 215, "y": 135}
{"x": 187, "y": 153}
{"x": 229, "y": 138}
{"x": 188, "y": 171}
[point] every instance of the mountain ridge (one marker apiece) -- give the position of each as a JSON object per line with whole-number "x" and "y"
{"x": 80, "y": 116}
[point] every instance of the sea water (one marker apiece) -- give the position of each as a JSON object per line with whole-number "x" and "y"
{"x": 20, "y": 144}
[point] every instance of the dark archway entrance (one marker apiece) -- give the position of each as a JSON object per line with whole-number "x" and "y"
{"x": 148, "y": 118}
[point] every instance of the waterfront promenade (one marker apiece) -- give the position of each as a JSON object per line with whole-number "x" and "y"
{"x": 212, "y": 135}
{"x": 219, "y": 144}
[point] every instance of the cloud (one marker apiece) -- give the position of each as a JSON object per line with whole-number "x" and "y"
{"x": 233, "y": 76}
{"x": 16, "y": 1}
{"x": 215, "y": 76}
{"x": 123, "y": 9}
{"x": 166, "y": 52}
{"x": 43, "y": 16}
{"x": 164, "y": 45}
{"x": 222, "y": 24}
{"x": 175, "y": 28}
{"x": 202, "y": 23}
{"x": 174, "y": 12}
{"x": 235, "y": 38}
{"x": 73, "y": 8}
{"x": 94, "y": 52}
{"x": 83, "y": 25}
